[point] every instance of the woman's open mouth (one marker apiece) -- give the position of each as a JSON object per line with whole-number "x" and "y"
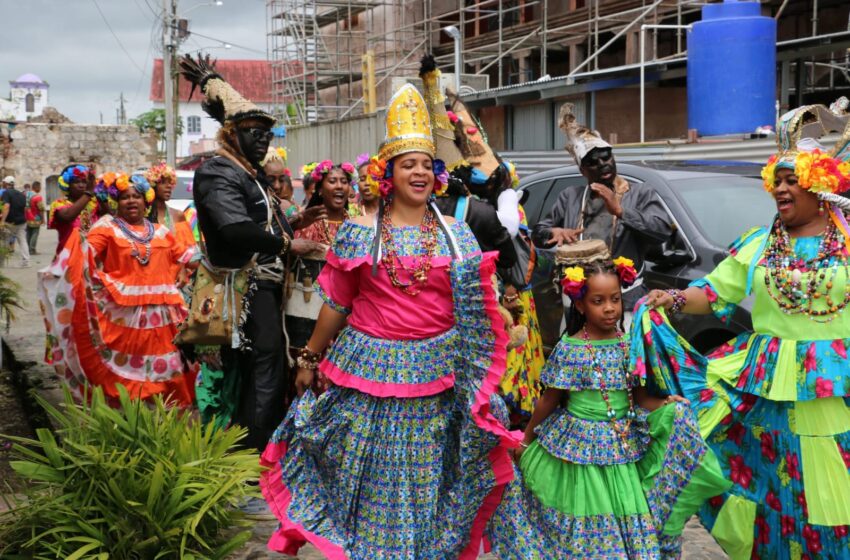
{"x": 784, "y": 203}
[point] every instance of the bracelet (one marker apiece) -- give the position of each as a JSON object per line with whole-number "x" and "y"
{"x": 307, "y": 359}
{"x": 287, "y": 243}
{"x": 679, "y": 300}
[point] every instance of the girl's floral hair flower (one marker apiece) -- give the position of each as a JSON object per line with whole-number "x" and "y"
{"x": 324, "y": 167}
{"x": 441, "y": 177}
{"x": 379, "y": 176}
{"x": 307, "y": 169}
{"x": 574, "y": 282}
{"x": 161, "y": 174}
{"x": 72, "y": 174}
{"x": 626, "y": 271}
{"x": 362, "y": 160}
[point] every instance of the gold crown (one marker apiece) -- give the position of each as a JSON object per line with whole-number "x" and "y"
{"x": 408, "y": 125}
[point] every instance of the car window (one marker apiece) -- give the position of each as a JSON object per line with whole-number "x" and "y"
{"x": 726, "y": 208}
{"x": 558, "y": 187}
{"x": 183, "y": 189}
{"x": 536, "y": 198}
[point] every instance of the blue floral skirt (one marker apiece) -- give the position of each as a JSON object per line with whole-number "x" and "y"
{"x": 364, "y": 477}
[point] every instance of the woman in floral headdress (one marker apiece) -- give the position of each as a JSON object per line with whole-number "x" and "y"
{"x": 369, "y": 200}
{"x": 401, "y": 458}
{"x": 774, "y": 403}
{"x": 110, "y": 302}
{"x": 78, "y": 209}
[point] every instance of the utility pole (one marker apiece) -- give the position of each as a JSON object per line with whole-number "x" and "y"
{"x": 169, "y": 15}
{"x": 122, "y": 114}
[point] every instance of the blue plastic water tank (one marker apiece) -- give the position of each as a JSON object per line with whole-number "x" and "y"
{"x": 731, "y": 69}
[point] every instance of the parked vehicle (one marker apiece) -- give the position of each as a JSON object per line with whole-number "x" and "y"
{"x": 181, "y": 196}
{"x": 710, "y": 204}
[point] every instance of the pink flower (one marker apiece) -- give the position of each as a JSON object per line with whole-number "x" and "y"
{"x": 160, "y": 366}
{"x": 763, "y": 533}
{"x": 453, "y": 118}
{"x": 839, "y": 348}
{"x": 656, "y": 317}
{"x": 840, "y": 531}
{"x": 706, "y": 395}
{"x": 640, "y": 368}
{"x": 767, "y": 449}
{"x": 772, "y": 501}
{"x": 742, "y": 380}
{"x": 348, "y": 168}
{"x": 801, "y": 499}
{"x": 788, "y": 525}
{"x": 773, "y": 346}
{"x": 736, "y": 433}
{"x": 759, "y": 372}
{"x": 747, "y": 403}
{"x": 739, "y": 472}
{"x": 810, "y": 363}
{"x": 689, "y": 360}
{"x": 823, "y": 388}
{"x": 812, "y": 537}
{"x": 792, "y": 464}
{"x": 136, "y": 362}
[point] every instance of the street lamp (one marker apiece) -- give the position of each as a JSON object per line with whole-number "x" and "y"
{"x": 454, "y": 33}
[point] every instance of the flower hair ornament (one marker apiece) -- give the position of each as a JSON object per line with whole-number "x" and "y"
{"x": 307, "y": 169}
{"x": 72, "y": 173}
{"x": 160, "y": 174}
{"x": 574, "y": 282}
{"x": 626, "y": 271}
{"x": 379, "y": 176}
{"x": 324, "y": 167}
{"x": 111, "y": 185}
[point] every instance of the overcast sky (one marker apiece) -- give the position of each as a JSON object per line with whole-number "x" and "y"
{"x": 68, "y": 44}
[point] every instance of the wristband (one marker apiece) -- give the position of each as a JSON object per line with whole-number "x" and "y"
{"x": 679, "y": 300}
{"x": 287, "y": 243}
{"x": 307, "y": 359}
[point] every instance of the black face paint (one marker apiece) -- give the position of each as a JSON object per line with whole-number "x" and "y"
{"x": 254, "y": 142}
{"x": 599, "y": 166}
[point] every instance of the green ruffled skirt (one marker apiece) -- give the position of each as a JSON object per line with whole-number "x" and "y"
{"x": 608, "y": 508}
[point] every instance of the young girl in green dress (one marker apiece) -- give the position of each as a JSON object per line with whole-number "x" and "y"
{"x": 608, "y": 469}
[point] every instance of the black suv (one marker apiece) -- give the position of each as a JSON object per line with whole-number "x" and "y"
{"x": 710, "y": 205}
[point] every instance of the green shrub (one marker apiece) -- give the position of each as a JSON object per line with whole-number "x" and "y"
{"x": 138, "y": 482}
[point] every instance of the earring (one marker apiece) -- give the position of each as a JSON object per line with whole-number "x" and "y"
{"x": 820, "y": 208}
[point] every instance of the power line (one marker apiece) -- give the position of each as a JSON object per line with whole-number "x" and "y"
{"x": 234, "y": 45}
{"x": 120, "y": 44}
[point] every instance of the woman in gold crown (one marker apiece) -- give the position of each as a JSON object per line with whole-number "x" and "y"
{"x": 402, "y": 457}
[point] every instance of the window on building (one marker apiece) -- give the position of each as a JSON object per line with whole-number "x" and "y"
{"x": 193, "y": 124}
{"x": 29, "y": 102}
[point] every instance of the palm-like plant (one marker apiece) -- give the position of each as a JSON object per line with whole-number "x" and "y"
{"x": 137, "y": 482}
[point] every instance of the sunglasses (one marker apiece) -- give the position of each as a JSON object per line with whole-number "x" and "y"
{"x": 259, "y": 133}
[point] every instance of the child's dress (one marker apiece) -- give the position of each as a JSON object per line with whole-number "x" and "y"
{"x": 593, "y": 487}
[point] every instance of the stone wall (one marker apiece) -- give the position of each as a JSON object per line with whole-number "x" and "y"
{"x": 39, "y": 151}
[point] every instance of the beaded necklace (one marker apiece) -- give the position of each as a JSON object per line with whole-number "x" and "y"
{"x": 596, "y": 367}
{"x": 327, "y": 238}
{"x": 783, "y": 276}
{"x": 134, "y": 238}
{"x": 418, "y": 273}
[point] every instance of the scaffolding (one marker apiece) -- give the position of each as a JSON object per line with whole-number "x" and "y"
{"x": 316, "y": 47}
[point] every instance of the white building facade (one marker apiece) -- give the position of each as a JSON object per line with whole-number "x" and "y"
{"x": 28, "y": 96}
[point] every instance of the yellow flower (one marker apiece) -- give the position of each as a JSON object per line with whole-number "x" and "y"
{"x": 623, "y": 261}
{"x": 574, "y": 274}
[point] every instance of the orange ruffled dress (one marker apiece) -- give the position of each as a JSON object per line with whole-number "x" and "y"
{"x": 111, "y": 320}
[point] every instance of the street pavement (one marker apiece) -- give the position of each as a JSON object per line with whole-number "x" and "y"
{"x": 26, "y": 341}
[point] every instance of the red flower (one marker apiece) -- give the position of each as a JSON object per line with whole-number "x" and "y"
{"x": 801, "y": 499}
{"x": 812, "y": 537}
{"x": 747, "y": 402}
{"x": 823, "y": 388}
{"x": 656, "y": 318}
{"x": 674, "y": 365}
{"x": 845, "y": 455}
{"x": 759, "y": 373}
{"x": 723, "y": 350}
{"x": 710, "y": 294}
{"x": 736, "y": 433}
{"x": 840, "y": 531}
{"x": 788, "y": 525}
{"x": 810, "y": 363}
{"x": 773, "y": 345}
{"x": 740, "y": 473}
{"x": 689, "y": 360}
{"x": 839, "y": 348}
{"x": 706, "y": 395}
{"x": 773, "y": 501}
{"x": 716, "y": 501}
{"x": 792, "y": 464}
{"x": 742, "y": 380}
{"x": 726, "y": 420}
{"x": 763, "y": 530}
{"x": 767, "y": 449}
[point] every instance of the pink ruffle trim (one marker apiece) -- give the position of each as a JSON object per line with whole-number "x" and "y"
{"x": 350, "y": 264}
{"x": 503, "y": 473}
{"x": 498, "y": 359}
{"x": 290, "y": 536}
{"x": 381, "y": 389}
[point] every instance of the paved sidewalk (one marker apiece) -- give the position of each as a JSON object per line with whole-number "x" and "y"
{"x": 26, "y": 340}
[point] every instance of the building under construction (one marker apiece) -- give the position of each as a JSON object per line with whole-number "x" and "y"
{"x": 334, "y": 59}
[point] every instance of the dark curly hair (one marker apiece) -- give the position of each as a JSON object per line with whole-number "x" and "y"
{"x": 575, "y": 318}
